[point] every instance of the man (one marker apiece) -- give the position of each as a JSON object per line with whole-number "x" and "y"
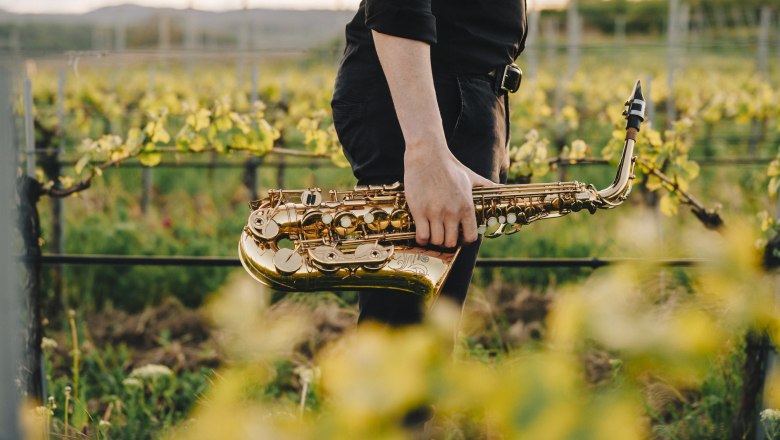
{"x": 420, "y": 98}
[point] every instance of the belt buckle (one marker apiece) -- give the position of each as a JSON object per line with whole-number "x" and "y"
{"x": 511, "y": 78}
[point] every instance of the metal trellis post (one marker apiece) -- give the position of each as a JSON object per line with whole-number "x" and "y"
{"x": 10, "y": 344}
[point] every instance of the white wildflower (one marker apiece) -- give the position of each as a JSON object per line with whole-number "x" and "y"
{"x": 48, "y": 344}
{"x": 151, "y": 371}
{"x": 770, "y": 415}
{"x": 132, "y": 382}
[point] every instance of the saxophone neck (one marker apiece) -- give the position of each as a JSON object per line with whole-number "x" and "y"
{"x": 617, "y": 192}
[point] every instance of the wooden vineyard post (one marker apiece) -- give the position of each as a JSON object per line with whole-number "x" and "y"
{"x": 549, "y": 33}
{"x": 772, "y": 358}
{"x": 29, "y": 129}
{"x": 671, "y": 60}
{"x": 532, "y": 42}
{"x": 254, "y": 94}
{"x": 243, "y": 44}
{"x": 620, "y": 33}
{"x": 50, "y": 162}
{"x": 10, "y": 343}
{"x": 189, "y": 37}
{"x": 648, "y": 86}
{"x": 757, "y": 128}
{"x": 146, "y": 172}
{"x": 120, "y": 36}
{"x": 164, "y": 38}
{"x": 29, "y": 191}
{"x": 574, "y": 37}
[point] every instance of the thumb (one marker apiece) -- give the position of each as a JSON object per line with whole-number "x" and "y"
{"x": 477, "y": 180}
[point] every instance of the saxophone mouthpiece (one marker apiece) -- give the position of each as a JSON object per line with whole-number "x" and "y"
{"x": 635, "y": 111}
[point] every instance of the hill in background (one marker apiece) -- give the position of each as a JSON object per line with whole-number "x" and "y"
{"x": 138, "y": 27}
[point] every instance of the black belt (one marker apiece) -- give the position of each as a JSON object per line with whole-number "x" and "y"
{"x": 506, "y": 79}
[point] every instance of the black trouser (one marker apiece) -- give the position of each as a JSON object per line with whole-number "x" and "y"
{"x": 476, "y": 126}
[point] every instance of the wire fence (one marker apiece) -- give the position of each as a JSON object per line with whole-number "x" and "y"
{"x": 213, "y": 261}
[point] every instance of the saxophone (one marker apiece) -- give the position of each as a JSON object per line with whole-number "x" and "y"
{"x": 364, "y": 238}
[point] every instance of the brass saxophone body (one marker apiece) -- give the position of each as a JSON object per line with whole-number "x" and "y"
{"x": 364, "y": 238}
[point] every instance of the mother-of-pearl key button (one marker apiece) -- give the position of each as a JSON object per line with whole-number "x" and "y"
{"x": 327, "y": 218}
{"x": 270, "y": 230}
{"x": 287, "y": 261}
{"x": 368, "y": 218}
{"x": 511, "y": 218}
{"x": 481, "y": 229}
{"x": 346, "y": 222}
{"x": 492, "y": 221}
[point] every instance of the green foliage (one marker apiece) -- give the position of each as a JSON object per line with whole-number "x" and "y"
{"x": 115, "y": 403}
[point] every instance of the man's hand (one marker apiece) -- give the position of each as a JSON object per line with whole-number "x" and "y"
{"x": 437, "y": 185}
{"x": 438, "y": 192}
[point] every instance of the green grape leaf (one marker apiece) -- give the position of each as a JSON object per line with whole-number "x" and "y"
{"x": 653, "y": 183}
{"x": 669, "y": 205}
{"x": 82, "y": 163}
{"x": 150, "y": 159}
{"x": 160, "y": 135}
{"x": 767, "y": 222}
{"x": 200, "y": 120}
{"x": 198, "y": 144}
{"x": 774, "y": 185}
{"x": 774, "y": 168}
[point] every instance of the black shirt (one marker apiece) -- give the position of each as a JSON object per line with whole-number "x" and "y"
{"x": 466, "y": 36}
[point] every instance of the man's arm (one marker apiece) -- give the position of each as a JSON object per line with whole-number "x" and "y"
{"x": 437, "y": 185}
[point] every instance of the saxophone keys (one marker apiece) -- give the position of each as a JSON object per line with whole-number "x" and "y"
{"x": 345, "y": 224}
{"x": 377, "y": 220}
{"x": 311, "y": 197}
{"x": 481, "y": 229}
{"x": 401, "y": 220}
{"x": 313, "y": 225}
{"x": 492, "y": 227}
{"x": 502, "y": 219}
{"x": 287, "y": 261}
{"x": 511, "y": 218}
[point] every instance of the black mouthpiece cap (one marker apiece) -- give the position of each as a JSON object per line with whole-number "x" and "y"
{"x": 635, "y": 113}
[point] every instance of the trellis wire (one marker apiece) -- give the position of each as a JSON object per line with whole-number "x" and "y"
{"x": 212, "y": 261}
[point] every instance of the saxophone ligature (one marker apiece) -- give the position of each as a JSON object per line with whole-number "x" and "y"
{"x": 364, "y": 238}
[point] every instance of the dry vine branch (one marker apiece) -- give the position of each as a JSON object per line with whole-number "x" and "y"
{"x": 710, "y": 218}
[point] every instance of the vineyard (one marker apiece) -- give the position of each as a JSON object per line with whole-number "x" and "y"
{"x": 654, "y": 320}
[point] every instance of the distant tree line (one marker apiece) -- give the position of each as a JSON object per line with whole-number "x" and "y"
{"x": 650, "y": 16}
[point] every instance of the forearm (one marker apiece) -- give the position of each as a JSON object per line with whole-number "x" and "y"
{"x": 407, "y": 67}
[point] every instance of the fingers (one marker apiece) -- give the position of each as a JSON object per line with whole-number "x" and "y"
{"x": 437, "y": 233}
{"x": 451, "y": 233}
{"x": 469, "y": 225}
{"x": 423, "y": 234}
